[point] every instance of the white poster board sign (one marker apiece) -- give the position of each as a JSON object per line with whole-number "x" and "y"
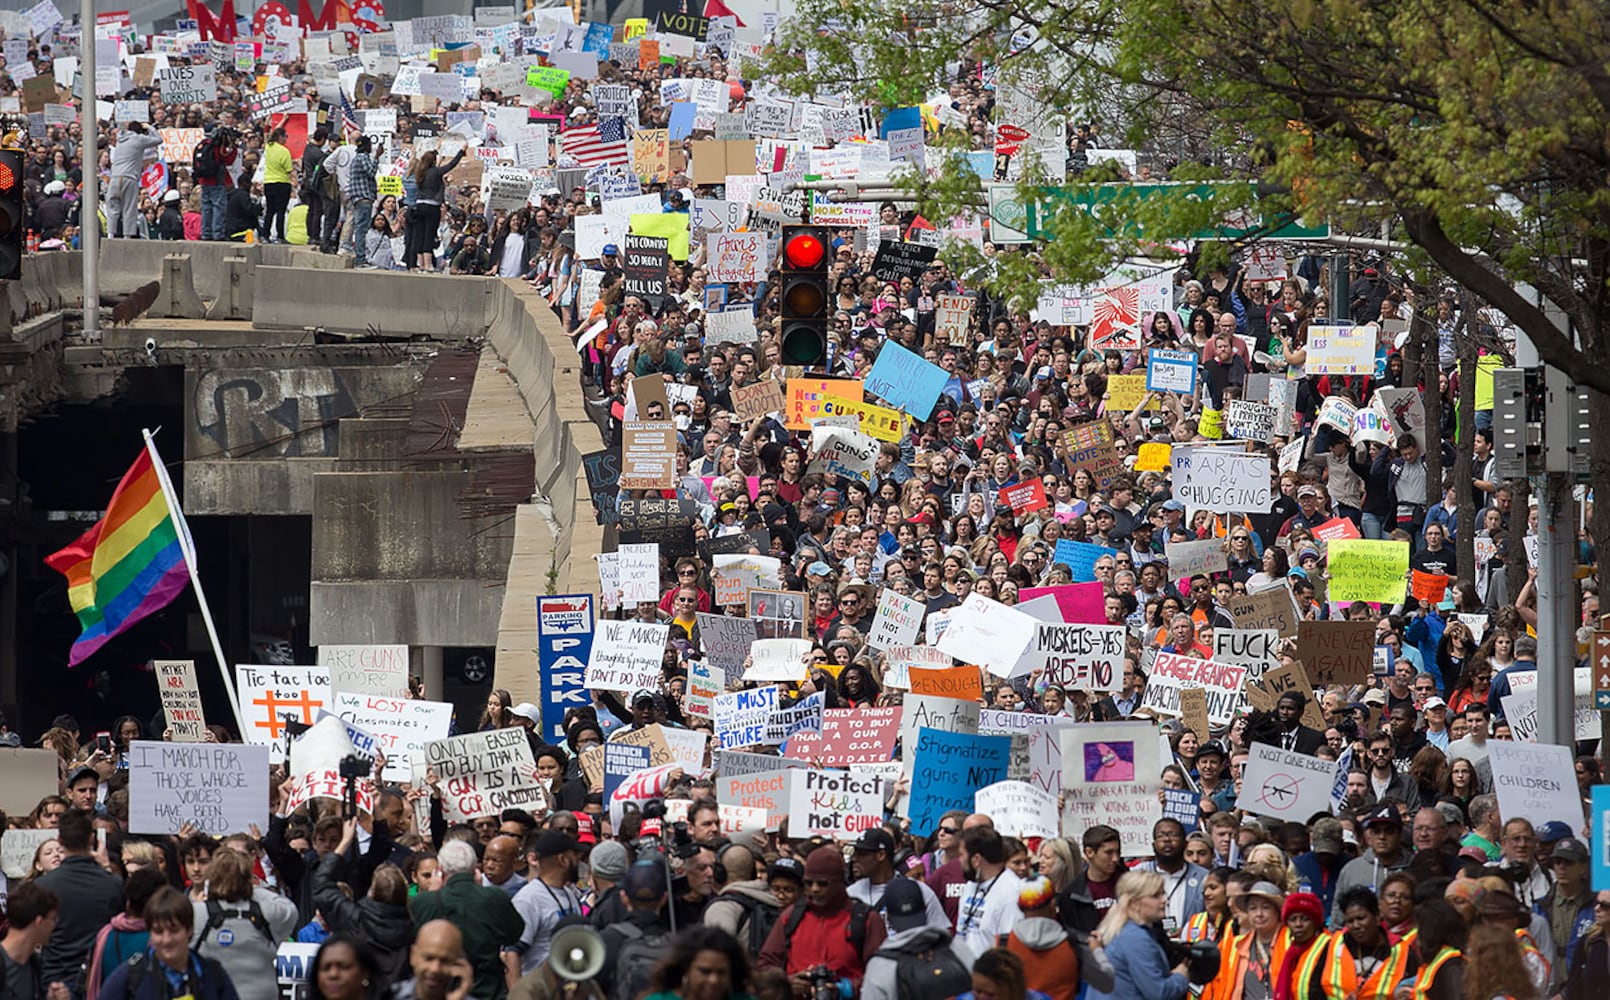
{"x": 627, "y": 656}
{"x": 1018, "y": 808}
{"x": 181, "y": 699}
{"x": 1537, "y": 781}
{"x": 483, "y": 774}
{"x": 219, "y": 788}
{"x": 1111, "y": 774}
{"x": 1291, "y": 786}
{"x": 381, "y": 670}
{"x": 401, "y": 726}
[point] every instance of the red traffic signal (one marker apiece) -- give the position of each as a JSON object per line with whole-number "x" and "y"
{"x": 11, "y": 214}
{"x": 805, "y": 299}
{"x": 804, "y": 251}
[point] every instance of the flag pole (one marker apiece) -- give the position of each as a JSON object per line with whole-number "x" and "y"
{"x": 188, "y": 549}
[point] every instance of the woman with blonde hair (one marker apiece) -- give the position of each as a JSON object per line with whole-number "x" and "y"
{"x": 1056, "y": 860}
{"x": 1139, "y": 963}
{"x": 1270, "y": 863}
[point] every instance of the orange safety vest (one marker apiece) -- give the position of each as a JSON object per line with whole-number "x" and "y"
{"x": 1201, "y": 928}
{"x": 1339, "y": 978}
{"x": 1428, "y": 975}
{"x": 1529, "y": 948}
{"x": 1234, "y": 953}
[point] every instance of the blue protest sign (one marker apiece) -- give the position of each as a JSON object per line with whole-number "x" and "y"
{"x": 948, "y": 768}
{"x": 1181, "y": 804}
{"x": 1080, "y": 557}
{"x": 621, "y": 761}
{"x": 681, "y": 124}
{"x": 900, "y": 118}
{"x": 564, "y": 642}
{"x": 1600, "y": 838}
{"x": 599, "y": 35}
{"x": 1171, "y": 371}
{"x": 906, "y": 380}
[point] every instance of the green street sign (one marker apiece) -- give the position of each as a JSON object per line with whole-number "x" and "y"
{"x": 1013, "y": 221}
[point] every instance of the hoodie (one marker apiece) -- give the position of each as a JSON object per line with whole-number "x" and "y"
{"x": 1369, "y": 871}
{"x": 882, "y": 970}
{"x": 1050, "y": 960}
{"x": 731, "y": 909}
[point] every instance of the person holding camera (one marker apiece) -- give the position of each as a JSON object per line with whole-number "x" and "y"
{"x": 1139, "y": 962}
{"x": 825, "y": 940}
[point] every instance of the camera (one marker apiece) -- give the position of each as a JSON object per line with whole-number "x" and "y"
{"x": 353, "y": 766}
{"x": 1201, "y": 958}
{"x": 824, "y": 984}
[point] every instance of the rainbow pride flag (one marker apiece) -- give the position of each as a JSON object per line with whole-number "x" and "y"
{"x": 131, "y": 564}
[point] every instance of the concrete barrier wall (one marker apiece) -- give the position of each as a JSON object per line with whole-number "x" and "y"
{"x": 395, "y": 304}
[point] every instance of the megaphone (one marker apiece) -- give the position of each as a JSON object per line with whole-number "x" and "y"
{"x": 576, "y": 953}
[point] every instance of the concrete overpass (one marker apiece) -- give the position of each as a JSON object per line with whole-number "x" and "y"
{"x": 429, "y": 427}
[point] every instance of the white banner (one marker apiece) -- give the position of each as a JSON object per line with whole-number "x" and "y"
{"x": 220, "y": 788}
{"x": 1290, "y": 786}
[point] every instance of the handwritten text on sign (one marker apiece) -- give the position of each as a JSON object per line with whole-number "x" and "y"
{"x": 1172, "y": 673}
{"x": 1222, "y": 481}
{"x": 483, "y": 774}
{"x": 1087, "y": 657}
{"x": 219, "y": 788}
{"x": 381, "y": 670}
{"x": 181, "y": 699}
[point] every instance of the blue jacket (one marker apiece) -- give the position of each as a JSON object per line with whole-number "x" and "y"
{"x": 1425, "y": 632}
{"x": 1314, "y": 877}
{"x": 1140, "y": 969}
{"x": 214, "y": 982}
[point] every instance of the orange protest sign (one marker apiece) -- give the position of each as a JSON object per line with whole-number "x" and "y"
{"x": 963, "y": 683}
{"x": 648, "y": 53}
{"x": 1427, "y": 588}
{"x": 808, "y": 396}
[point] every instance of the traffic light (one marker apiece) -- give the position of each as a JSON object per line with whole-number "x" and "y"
{"x": 805, "y": 297}
{"x": 11, "y": 218}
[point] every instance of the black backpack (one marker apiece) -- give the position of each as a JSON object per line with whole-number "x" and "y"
{"x": 928, "y": 972}
{"x": 859, "y": 913}
{"x": 204, "y": 161}
{"x": 760, "y": 917}
{"x": 635, "y": 962}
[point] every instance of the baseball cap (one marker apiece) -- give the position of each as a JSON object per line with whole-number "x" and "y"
{"x": 610, "y": 250}
{"x": 1553, "y": 831}
{"x": 642, "y": 696}
{"x": 1307, "y": 491}
{"x": 80, "y": 772}
{"x": 1173, "y": 505}
{"x": 553, "y": 843}
{"x": 1326, "y": 837}
{"x": 528, "y": 711}
{"x": 1385, "y": 814}
{"x": 172, "y": 194}
{"x": 875, "y": 839}
{"x": 645, "y": 881}
{"x": 1570, "y": 849}
{"x": 787, "y": 868}
{"x": 1434, "y": 702}
{"x": 1212, "y": 748}
{"x": 1374, "y": 696}
{"x": 903, "y": 904}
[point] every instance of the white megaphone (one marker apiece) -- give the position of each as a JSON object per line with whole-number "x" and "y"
{"x": 576, "y": 953}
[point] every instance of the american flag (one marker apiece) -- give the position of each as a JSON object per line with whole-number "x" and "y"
{"x": 596, "y": 145}
{"x": 349, "y": 116}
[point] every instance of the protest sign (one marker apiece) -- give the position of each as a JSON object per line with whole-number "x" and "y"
{"x": 1026, "y": 497}
{"x": 26, "y": 776}
{"x": 1183, "y": 805}
{"x": 734, "y": 574}
{"x": 895, "y": 260}
{"x": 621, "y": 761}
{"x": 1079, "y": 557}
{"x": 1340, "y": 350}
{"x": 1194, "y": 710}
{"x": 778, "y": 660}
{"x": 271, "y": 694}
{"x": 219, "y": 788}
{"x": 1083, "y": 657}
{"x": 1336, "y": 528}
{"x": 953, "y": 318}
{"x": 1520, "y": 708}
{"x": 381, "y": 670}
{"x": 766, "y": 790}
{"x": 564, "y": 644}
{"x": 879, "y": 421}
{"x": 181, "y": 699}
{"x": 1367, "y": 569}
{"x": 1127, "y": 392}
{"x": 906, "y": 380}
{"x": 1253, "y": 648}
{"x": 947, "y": 768}
{"x": 1171, "y": 673}
{"x": 834, "y": 804}
{"x": 1274, "y": 608}
{"x": 1371, "y": 424}
{"x": 897, "y": 621}
{"x": 901, "y": 659}
{"x": 195, "y": 84}
{"x": 803, "y": 716}
{"x": 640, "y": 572}
{"x": 778, "y": 614}
{"x": 947, "y": 682}
{"x": 1188, "y": 559}
{"x": 849, "y": 736}
{"x": 1249, "y": 421}
{"x": 17, "y": 850}
{"x": 737, "y": 257}
{"x": 683, "y": 747}
{"x": 483, "y": 774}
{"x": 1428, "y": 588}
{"x": 1171, "y": 371}
{"x": 989, "y": 634}
{"x": 179, "y": 144}
{"x": 950, "y": 714}
{"x": 741, "y": 716}
{"x": 648, "y": 259}
{"x": 1110, "y": 774}
{"x": 1018, "y": 809}
{"x": 1289, "y": 786}
{"x": 705, "y": 681}
{"x": 648, "y": 455}
{"x": 1221, "y": 480}
{"x": 1405, "y": 409}
{"x": 1264, "y": 693}
{"x": 1336, "y": 652}
{"x": 1153, "y": 456}
{"x": 840, "y": 451}
{"x": 807, "y": 396}
{"x": 757, "y": 399}
{"x": 401, "y": 726}
{"x": 1091, "y": 444}
{"x": 1537, "y": 781}
{"x": 726, "y": 642}
{"x": 627, "y": 656}
{"x": 314, "y": 769}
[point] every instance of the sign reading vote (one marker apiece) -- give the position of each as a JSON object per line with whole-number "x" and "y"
{"x": 219, "y": 788}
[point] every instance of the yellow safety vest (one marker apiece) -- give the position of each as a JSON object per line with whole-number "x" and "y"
{"x": 1340, "y": 981}
{"x": 1428, "y": 975}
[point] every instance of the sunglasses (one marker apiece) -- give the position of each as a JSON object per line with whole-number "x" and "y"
{"x": 952, "y": 831}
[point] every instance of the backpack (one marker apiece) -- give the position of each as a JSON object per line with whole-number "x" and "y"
{"x": 928, "y": 972}
{"x": 329, "y": 185}
{"x": 760, "y": 917}
{"x": 859, "y": 913}
{"x": 636, "y": 961}
{"x": 252, "y": 914}
{"x": 204, "y": 161}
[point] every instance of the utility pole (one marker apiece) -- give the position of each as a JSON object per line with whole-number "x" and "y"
{"x": 89, "y": 159}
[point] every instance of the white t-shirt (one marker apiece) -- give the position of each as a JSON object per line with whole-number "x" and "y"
{"x": 988, "y": 910}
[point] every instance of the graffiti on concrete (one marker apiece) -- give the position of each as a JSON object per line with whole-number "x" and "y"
{"x": 272, "y": 412}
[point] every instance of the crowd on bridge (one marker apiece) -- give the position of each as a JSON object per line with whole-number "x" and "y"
{"x": 1123, "y": 646}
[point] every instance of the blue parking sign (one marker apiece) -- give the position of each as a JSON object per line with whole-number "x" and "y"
{"x": 1600, "y": 838}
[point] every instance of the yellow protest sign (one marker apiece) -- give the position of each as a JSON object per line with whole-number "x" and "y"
{"x": 651, "y": 154}
{"x": 1367, "y": 569}
{"x": 636, "y": 27}
{"x": 389, "y": 185}
{"x": 1125, "y": 392}
{"x": 881, "y": 422}
{"x": 1153, "y": 456}
{"x": 1211, "y": 425}
{"x": 672, "y": 226}
{"x": 1485, "y": 366}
